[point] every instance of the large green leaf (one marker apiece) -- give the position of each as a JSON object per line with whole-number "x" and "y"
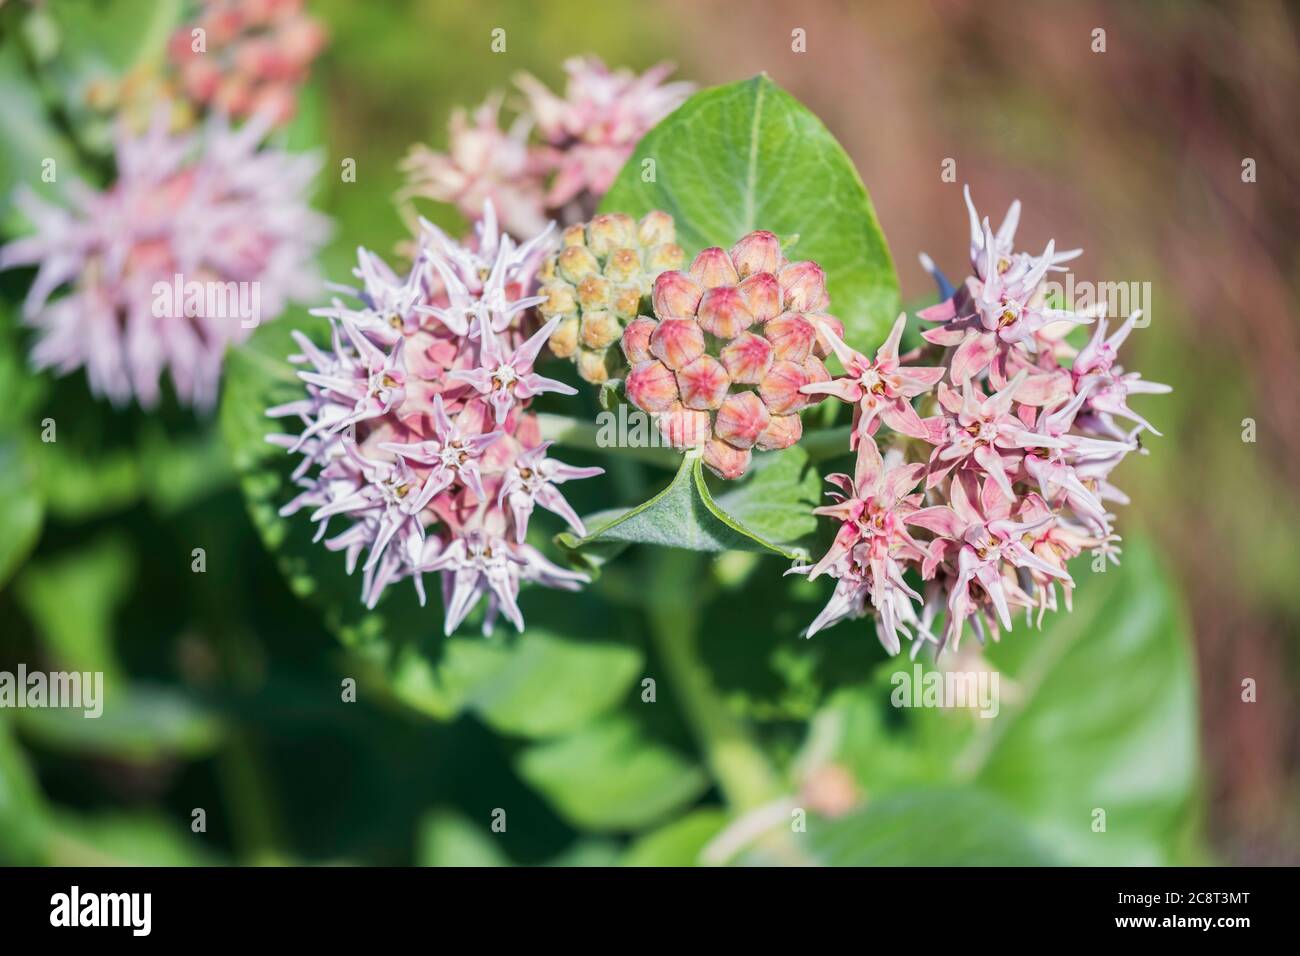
{"x": 570, "y": 666}
{"x": 1096, "y": 712}
{"x": 611, "y": 776}
{"x": 749, "y": 156}
{"x": 768, "y": 510}
{"x": 921, "y": 828}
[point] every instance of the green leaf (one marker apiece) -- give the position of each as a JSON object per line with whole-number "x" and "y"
{"x": 23, "y": 816}
{"x": 139, "y": 723}
{"x": 749, "y": 156}
{"x": 446, "y": 838}
{"x": 922, "y": 828}
{"x": 1097, "y": 712}
{"x": 22, "y": 512}
{"x": 766, "y": 511}
{"x": 569, "y": 666}
{"x": 125, "y": 840}
{"x": 610, "y": 776}
{"x": 678, "y": 843}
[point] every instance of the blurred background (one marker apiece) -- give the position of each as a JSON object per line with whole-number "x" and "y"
{"x": 1135, "y": 153}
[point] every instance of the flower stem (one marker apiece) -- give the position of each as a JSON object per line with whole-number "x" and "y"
{"x": 741, "y": 769}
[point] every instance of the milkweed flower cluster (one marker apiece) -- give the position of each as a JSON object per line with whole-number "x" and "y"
{"x": 246, "y": 57}
{"x": 734, "y": 351}
{"x": 416, "y": 429}
{"x": 211, "y": 206}
{"x": 559, "y": 155}
{"x": 1018, "y": 448}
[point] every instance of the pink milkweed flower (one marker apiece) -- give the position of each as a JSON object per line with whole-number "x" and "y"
{"x": 1111, "y": 386}
{"x": 531, "y": 481}
{"x": 871, "y": 546}
{"x": 881, "y": 389}
{"x": 485, "y": 283}
{"x": 980, "y": 428}
{"x": 483, "y": 165}
{"x": 211, "y": 206}
{"x": 507, "y": 379}
{"x": 978, "y": 535}
{"x": 374, "y": 383}
{"x": 1001, "y": 244}
{"x": 453, "y": 452}
{"x": 590, "y": 131}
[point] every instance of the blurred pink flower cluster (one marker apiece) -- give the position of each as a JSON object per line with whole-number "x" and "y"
{"x": 245, "y": 57}
{"x": 1019, "y": 442}
{"x": 211, "y": 208}
{"x": 416, "y": 429}
{"x": 559, "y": 155}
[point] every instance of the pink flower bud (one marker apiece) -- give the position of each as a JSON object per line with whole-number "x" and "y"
{"x": 757, "y": 252}
{"x": 599, "y": 330}
{"x": 747, "y": 358}
{"x": 817, "y": 372}
{"x": 677, "y": 342}
{"x": 636, "y": 340}
{"x": 791, "y": 336}
{"x": 782, "y": 431}
{"x": 712, "y": 268}
{"x": 780, "y": 388}
{"x": 564, "y": 340}
{"x": 741, "y": 419}
{"x": 823, "y": 346}
{"x": 683, "y": 427}
{"x": 575, "y": 263}
{"x": 703, "y": 383}
{"x": 656, "y": 227}
{"x": 805, "y": 287}
{"x": 676, "y": 295}
{"x": 723, "y": 312}
{"x": 726, "y": 461}
{"x": 762, "y": 293}
{"x": 609, "y": 232}
{"x": 652, "y": 387}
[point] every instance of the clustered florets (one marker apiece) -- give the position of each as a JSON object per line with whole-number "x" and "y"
{"x": 211, "y": 206}
{"x": 597, "y": 283}
{"x": 737, "y": 340}
{"x": 416, "y": 427}
{"x": 1023, "y": 438}
{"x": 581, "y": 141}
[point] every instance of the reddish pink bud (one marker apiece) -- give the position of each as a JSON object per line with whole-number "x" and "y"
{"x": 805, "y": 287}
{"x": 741, "y": 419}
{"x": 724, "y": 460}
{"x": 676, "y": 295}
{"x": 677, "y": 342}
{"x": 780, "y": 388}
{"x": 723, "y": 312}
{"x": 817, "y": 372}
{"x": 791, "y": 336}
{"x": 747, "y": 358}
{"x": 823, "y": 346}
{"x": 683, "y": 427}
{"x": 782, "y": 431}
{"x": 712, "y": 268}
{"x": 757, "y": 252}
{"x": 703, "y": 383}
{"x": 762, "y": 294}
{"x": 636, "y": 339}
{"x": 651, "y": 387}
